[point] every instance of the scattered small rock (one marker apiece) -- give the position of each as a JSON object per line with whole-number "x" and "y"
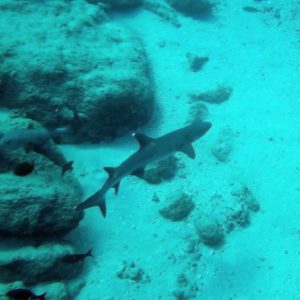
{"x": 198, "y": 111}
{"x": 179, "y": 207}
{"x": 162, "y": 171}
{"x": 196, "y": 62}
{"x": 223, "y": 146}
{"x": 245, "y": 196}
{"x": 217, "y": 96}
{"x": 209, "y": 231}
{"x": 132, "y": 272}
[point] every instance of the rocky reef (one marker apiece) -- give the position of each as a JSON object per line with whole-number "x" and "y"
{"x": 36, "y": 212}
{"x": 101, "y": 87}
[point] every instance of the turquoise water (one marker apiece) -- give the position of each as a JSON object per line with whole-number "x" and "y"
{"x": 224, "y": 225}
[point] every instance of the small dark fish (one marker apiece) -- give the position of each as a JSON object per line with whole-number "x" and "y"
{"x": 23, "y": 169}
{"x": 24, "y": 294}
{"x": 75, "y": 258}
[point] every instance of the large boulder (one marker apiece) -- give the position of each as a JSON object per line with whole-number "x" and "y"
{"x": 64, "y": 63}
{"x": 41, "y": 203}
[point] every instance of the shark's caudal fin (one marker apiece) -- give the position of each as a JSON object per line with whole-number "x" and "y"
{"x": 95, "y": 200}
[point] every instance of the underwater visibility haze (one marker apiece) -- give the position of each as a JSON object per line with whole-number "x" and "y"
{"x": 149, "y": 149}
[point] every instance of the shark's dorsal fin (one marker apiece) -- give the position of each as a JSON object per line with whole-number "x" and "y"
{"x": 109, "y": 170}
{"x": 189, "y": 150}
{"x": 142, "y": 139}
{"x": 138, "y": 173}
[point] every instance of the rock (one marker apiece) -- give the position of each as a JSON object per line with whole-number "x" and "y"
{"x": 41, "y": 203}
{"x": 179, "y": 207}
{"x": 209, "y": 231}
{"x": 193, "y": 8}
{"x": 196, "y": 62}
{"x": 244, "y": 195}
{"x": 161, "y": 171}
{"x": 119, "y": 4}
{"x": 197, "y": 111}
{"x": 163, "y": 10}
{"x": 100, "y": 86}
{"x": 56, "y": 291}
{"x": 132, "y": 272}
{"x": 33, "y": 265}
{"x": 224, "y": 145}
{"x": 217, "y": 96}
{"x": 9, "y": 159}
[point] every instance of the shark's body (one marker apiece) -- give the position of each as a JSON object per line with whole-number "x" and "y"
{"x": 151, "y": 150}
{"x": 37, "y": 140}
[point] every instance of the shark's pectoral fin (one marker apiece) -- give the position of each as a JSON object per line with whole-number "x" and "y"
{"x": 138, "y": 173}
{"x": 116, "y": 187}
{"x": 102, "y": 206}
{"x": 189, "y": 150}
{"x": 142, "y": 139}
{"x": 109, "y": 170}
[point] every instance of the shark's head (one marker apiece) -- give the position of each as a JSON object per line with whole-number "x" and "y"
{"x": 197, "y": 129}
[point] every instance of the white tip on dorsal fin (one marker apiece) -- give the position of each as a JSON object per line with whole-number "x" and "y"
{"x": 109, "y": 171}
{"x": 142, "y": 139}
{"x": 188, "y": 150}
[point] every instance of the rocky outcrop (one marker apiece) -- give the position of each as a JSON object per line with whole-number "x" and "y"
{"x": 33, "y": 265}
{"x": 39, "y": 204}
{"x": 100, "y": 87}
{"x": 35, "y": 211}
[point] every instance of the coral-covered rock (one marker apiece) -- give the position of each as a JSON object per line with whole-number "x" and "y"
{"x": 179, "y": 207}
{"x": 216, "y": 96}
{"x": 39, "y": 204}
{"x": 100, "y": 87}
{"x": 223, "y": 145}
{"x": 209, "y": 231}
{"x": 161, "y": 171}
{"x": 33, "y": 265}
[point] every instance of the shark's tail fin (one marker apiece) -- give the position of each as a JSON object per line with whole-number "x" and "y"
{"x": 95, "y": 200}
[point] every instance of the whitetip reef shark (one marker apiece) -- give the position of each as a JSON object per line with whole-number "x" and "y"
{"x": 151, "y": 150}
{"x": 37, "y": 140}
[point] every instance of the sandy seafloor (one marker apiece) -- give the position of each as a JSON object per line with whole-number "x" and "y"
{"x": 260, "y": 60}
